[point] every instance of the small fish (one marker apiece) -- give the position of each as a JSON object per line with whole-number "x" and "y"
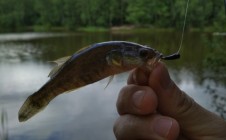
{"x": 87, "y": 66}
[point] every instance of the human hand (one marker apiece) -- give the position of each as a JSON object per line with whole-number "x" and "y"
{"x": 152, "y": 107}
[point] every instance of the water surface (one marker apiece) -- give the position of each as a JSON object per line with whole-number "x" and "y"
{"x": 90, "y": 112}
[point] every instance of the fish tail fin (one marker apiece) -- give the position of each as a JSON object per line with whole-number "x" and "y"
{"x": 33, "y": 105}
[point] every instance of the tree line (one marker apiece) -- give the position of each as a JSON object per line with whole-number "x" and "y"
{"x": 72, "y": 14}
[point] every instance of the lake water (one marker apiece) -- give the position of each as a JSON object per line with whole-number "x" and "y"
{"x": 89, "y": 112}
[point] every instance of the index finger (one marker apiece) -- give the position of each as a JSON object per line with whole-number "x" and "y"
{"x": 139, "y": 76}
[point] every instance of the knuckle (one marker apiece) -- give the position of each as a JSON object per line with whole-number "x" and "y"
{"x": 123, "y": 127}
{"x": 185, "y": 103}
{"x": 116, "y": 128}
{"x": 129, "y": 103}
{"x": 124, "y": 97}
{"x": 121, "y": 100}
{"x": 119, "y": 128}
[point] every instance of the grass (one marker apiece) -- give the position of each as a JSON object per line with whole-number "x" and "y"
{"x": 46, "y": 28}
{"x": 93, "y": 29}
{"x": 4, "y": 125}
{"x": 114, "y": 29}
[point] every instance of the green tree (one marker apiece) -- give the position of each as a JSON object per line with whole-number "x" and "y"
{"x": 71, "y": 18}
{"x": 139, "y": 11}
{"x": 72, "y": 14}
{"x": 11, "y": 16}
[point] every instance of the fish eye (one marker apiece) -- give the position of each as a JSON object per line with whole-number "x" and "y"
{"x": 143, "y": 53}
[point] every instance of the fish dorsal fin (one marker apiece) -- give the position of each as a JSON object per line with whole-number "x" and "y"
{"x": 109, "y": 81}
{"x": 82, "y": 49}
{"x": 59, "y": 63}
{"x": 61, "y": 60}
{"x": 55, "y": 70}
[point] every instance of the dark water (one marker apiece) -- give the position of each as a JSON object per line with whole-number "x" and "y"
{"x": 89, "y": 112}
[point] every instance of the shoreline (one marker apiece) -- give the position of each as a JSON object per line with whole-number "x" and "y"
{"x": 113, "y": 29}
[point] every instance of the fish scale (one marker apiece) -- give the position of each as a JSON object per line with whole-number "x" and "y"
{"x": 87, "y": 66}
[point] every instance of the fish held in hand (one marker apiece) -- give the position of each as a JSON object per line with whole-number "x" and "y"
{"x": 87, "y": 66}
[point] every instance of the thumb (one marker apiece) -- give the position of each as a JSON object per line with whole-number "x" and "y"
{"x": 195, "y": 121}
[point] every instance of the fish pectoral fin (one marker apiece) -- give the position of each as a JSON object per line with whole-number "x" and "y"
{"x": 109, "y": 81}
{"x": 59, "y": 63}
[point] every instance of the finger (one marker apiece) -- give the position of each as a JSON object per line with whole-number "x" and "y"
{"x": 139, "y": 76}
{"x": 154, "y": 127}
{"x": 175, "y": 103}
{"x": 138, "y": 100}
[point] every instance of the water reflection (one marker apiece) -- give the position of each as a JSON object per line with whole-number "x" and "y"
{"x": 27, "y": 36}
{"x": 22, "y": 78}
{"x": 215, "y": 65}
{"x": 16, "y": 53}
{"x": 90, "y": 112}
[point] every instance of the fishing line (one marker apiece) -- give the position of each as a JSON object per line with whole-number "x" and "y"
{"x": 177, "y": 54}
{"x": 185, "y": 19}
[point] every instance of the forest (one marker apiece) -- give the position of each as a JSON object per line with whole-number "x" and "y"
{"x": 73, "y": 14}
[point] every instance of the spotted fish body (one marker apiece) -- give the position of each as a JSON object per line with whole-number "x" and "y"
{"x": 87, "y": 66}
